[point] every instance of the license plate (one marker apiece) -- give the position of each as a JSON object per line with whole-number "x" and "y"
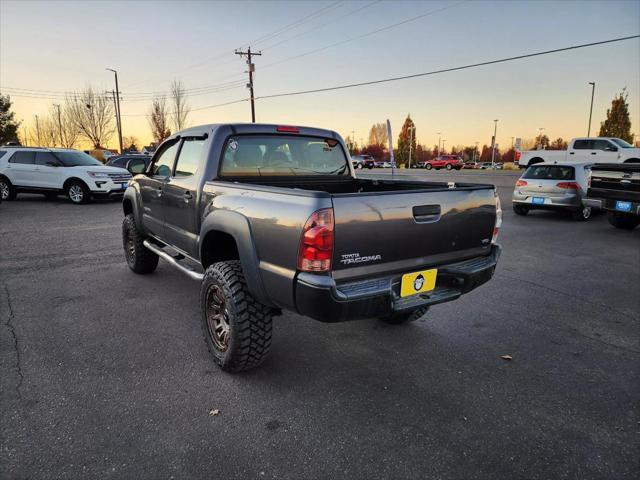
{"x": 623, "y": 206}
{"x": 418, "y": 282}
{"x": 537, "y": 200}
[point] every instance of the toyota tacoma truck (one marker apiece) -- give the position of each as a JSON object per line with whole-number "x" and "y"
{"x": 271, "y": 218}
{"x": 594, "y": 150}
{"x": 616, "y": 189}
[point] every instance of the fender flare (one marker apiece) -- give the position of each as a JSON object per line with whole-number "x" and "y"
{"x": 237, "y": 226}
{"x": 132, "y": 195}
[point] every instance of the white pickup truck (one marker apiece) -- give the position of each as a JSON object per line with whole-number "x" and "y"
{"x": 596, "y": 150}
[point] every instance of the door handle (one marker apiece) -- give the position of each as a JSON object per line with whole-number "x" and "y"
{"x": 187, "y": 196}
{"x": 594, "y": 153}
{"x": 159, "y": 191}
{"x": 571, "y": 153}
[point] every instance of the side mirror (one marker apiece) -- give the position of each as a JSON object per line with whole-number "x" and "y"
{"x": 136, "y": 166}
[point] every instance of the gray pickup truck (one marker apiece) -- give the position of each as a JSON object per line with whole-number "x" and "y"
{"x": 273, "y": 217}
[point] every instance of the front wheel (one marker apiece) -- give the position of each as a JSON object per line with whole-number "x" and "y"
{"x": 623, "y": 222}
{"x": 428, "y": 166}
{"x": 448, "y": 167}
{"x": 406, "y": 317}
{"x": 78, "y": 192}
{"x": 235, "y": 326}
{"x": 139, "y": 258}
{"x": 583, "y": 214}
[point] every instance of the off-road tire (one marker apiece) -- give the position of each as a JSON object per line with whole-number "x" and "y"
{"x": 520, "y": 209}
{"x": 400, "y": 318}
{"x": 623, "y": 222}
{"x": 249, "y": 322}
{"x": 7, "y": 190}
{"x": 78, "y": 197}
{"x": 583, "y": 214}
{"x": 139, "y": 258}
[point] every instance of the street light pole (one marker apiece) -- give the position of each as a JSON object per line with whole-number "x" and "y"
{"x": 443, "y": 146}
{"x": 411, "y": 130}
{"x": 38, "y": 131}
{"x": 593, "y": 91}
{"x": 493, "y": 152}
{"x": 119, "y": 118}
{"x": 59, "y": 124}
{"x": 438, "y": 143}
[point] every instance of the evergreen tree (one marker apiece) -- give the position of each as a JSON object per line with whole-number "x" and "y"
{"x": 8, "y": 125}
{"x": 618, "y": 123}
{"x": 402, "y": 157}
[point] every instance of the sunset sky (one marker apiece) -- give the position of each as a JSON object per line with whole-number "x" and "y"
{"x": 51, "y": 47}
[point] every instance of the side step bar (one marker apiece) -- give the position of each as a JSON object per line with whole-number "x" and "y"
{"x": 164, "y": 255}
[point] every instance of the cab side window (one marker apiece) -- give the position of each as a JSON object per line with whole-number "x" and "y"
{"x": 189, "y": 158}
{"x": 24, "y": 158}
{"x": 164, "y": 163}
{"x": 601, "y": 145}
{"x": 582, "y": 145}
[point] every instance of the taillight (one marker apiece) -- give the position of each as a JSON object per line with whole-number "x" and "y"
{"x": 569, "y": 185}
{"x": 498, "y": 224}
{"x": 518, "y": 156}
{"x": 316, "y": 243}
{"x": 521, "y": 183}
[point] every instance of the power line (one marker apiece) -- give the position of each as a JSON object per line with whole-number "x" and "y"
{"x": 367, "y": 34}
{"x": 193, "y": 109}
{"x": 452, "y": 69}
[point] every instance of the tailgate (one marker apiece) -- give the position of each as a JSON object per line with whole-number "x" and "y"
{"x": 397, "y": 231}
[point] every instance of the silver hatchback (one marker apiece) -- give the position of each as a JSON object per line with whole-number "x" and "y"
{"x": 553, "y": 186}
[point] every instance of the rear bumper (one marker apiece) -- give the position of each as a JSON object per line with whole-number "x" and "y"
{"x": 570, "y": 202}
{"x": 610, "y": 205}
{"x": 319, "y": 297}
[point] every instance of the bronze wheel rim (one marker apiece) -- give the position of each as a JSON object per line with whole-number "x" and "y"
{"x": 217, "y": 318}
{"x": 130, "y": 248}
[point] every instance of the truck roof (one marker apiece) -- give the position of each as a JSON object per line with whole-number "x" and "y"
{"x": 248, "y": 128}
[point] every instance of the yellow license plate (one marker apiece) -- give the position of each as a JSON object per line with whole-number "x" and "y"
{"x": 418, "y": 282}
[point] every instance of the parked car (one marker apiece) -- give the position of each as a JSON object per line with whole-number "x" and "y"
{"x": 448, "y": 162}
{"x": 616, "y": 190}
{"x": 485, "y": 165}
{"x": 593, "y": 150}
{"x": 277, "y": 220}
{"x": 123, "y": 161}
{"x": 553, "y": 186}
{"x": 470, "y": 165}
{"x": 362, "y": 161}
{"x": 54, "y": 171}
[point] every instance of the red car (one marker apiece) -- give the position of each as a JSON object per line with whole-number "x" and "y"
{"x": 444, "y": 161}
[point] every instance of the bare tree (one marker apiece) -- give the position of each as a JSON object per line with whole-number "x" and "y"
{"x": 92, "y": 115}
{"x": 130, "y": 143}
{"x": 159, "y": 119}
{"x": 45, "y": 134}
{"x": 61, "y": 126}
{"x": 378, "y": 135}
{"x": 180, "y": 109}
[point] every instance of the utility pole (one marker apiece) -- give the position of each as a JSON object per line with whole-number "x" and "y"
{"x": 59, "y": 123}
{"x": 117, "y": 105}
{"x": 411, "y": 130}
{"x": 37, "y": 130}
{"x": 252, "y": 68}
{"x": 493, "y": 146}
{"x": 593, "y": 91}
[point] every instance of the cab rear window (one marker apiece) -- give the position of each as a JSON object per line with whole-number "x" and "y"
{"x": 550, "y": 172}
{"x": 282, "y": 155}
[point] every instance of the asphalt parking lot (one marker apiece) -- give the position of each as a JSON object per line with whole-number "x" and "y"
{"x": 105, "y": 373}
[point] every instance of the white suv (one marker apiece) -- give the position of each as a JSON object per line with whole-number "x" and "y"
{"x": 52, "y": 171}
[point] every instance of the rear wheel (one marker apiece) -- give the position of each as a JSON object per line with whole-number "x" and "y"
{"x": 448, "y": 167}
{"x": 236, "y": 327}
{"x": 7, "y": 190}
{"x": 405, "y": 317}
{"x": 78, "y": 192}
{"x": 139, "y": 258}
{"x": 583, "y": 214}
{"x": 624, "y": 222}
{"x": 521, "y": 209}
